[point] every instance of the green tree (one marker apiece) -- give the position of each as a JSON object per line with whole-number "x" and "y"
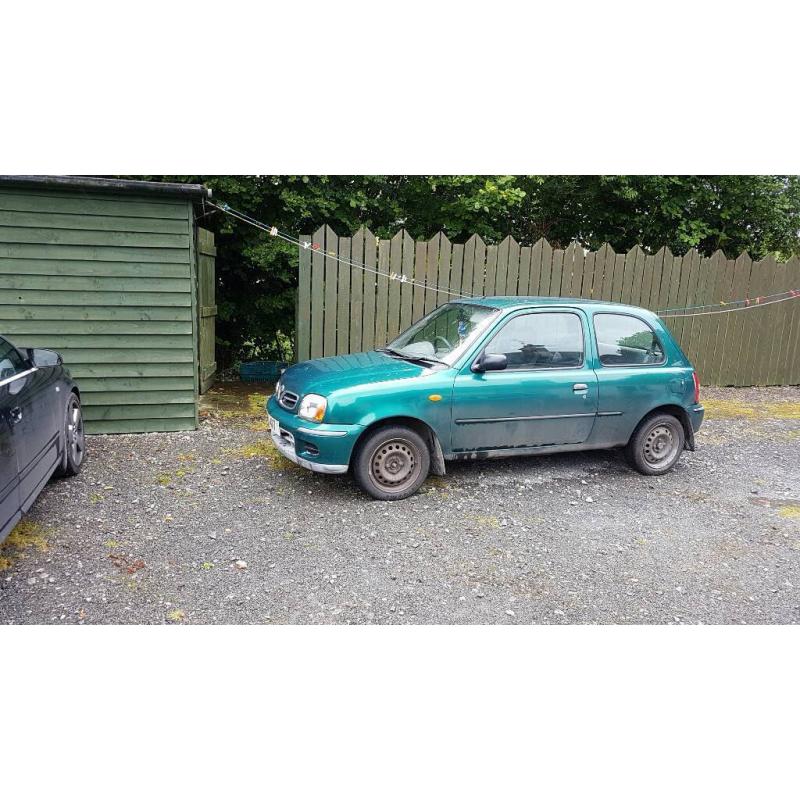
{"x": 257, "y": 274}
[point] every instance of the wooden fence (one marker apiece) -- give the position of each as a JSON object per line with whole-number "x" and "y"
{"x": 343, "y": 309}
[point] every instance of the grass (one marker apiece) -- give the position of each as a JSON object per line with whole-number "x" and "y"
{"x": 730, "y": 409}
{"x": 263, "y": 448}
{"x": 484, "y": 521}
{"x": 26, "y": 535}
{"x": 236, "y": 402}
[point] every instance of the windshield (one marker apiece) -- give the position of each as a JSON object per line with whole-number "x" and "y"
{"x": 445, "y": 333}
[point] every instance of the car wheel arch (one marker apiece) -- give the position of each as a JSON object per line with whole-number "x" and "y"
{"x": 422, "y": 428}
{"x": 680, "y": 413}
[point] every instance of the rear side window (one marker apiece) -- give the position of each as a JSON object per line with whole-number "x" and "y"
{"x": 624, "y": 341}
{"x": 549, "y": 340}
{"x": 10, "y": 361}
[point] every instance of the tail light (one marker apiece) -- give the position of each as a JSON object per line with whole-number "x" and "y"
{"x": 696, "y": 387}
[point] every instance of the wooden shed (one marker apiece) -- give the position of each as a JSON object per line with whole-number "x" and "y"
{"x": 118, "y": 278}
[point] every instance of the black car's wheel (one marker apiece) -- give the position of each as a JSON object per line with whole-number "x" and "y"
{"x": 392, "y": 463}
{"x": 656, "y": 445}
{"x": 74, "y": 439}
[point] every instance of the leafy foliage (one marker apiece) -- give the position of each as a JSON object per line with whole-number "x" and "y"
{"x": 257, "y": 273}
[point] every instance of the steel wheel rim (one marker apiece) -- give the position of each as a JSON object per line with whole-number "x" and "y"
{"x": 660, "y": 445}
{"x": 394, "y": 465}
{"x": 75, "y": 435}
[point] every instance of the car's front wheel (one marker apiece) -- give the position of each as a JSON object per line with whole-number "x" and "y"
{"x": 74, "y": 439}
{"x": 391, "y": 463}
{"x": 656, "y": 445}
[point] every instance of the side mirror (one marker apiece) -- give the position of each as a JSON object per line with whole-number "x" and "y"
{"x": 44, "y": 358}
{"x": 490, "y": 362}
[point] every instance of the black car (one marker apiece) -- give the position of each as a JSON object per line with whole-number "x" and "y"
{"x": 41, "y": 428}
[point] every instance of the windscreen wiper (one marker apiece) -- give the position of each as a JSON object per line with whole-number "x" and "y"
{"x": 408, "y": 357}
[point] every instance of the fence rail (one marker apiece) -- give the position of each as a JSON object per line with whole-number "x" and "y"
{"x": 345, "y": 309}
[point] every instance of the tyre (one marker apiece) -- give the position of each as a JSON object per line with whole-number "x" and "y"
{"x": 656, "y": 445}
{"x": 391, "y": 463}
{"x": 74, "y": 439}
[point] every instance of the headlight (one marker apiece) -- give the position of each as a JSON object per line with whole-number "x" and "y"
{"x": 313, "y": 407}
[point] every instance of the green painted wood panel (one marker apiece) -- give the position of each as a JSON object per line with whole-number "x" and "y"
{"x": 407, "y": 289}
{"x": 303, "y": 328}
{"x": 356, "y": 291}
{"x": 139, "y": 411}
{"x": 105, "y": 313}
{"x": 132, "y": 341}
{"x": 93, "y": 284}
{"x": 84, "y": 237}
{"x": 141, "y": 425}
{"x": 370, "y": 284}
{"x": 206, "y": 309}
{"x": 396, "y": 268}
{"x": 317, "y": 293}
{"x": 343, "y": 300}
{"x": 48, "y": 297}
{"x": 32, "y": 219}
{"x": 86, "y": 205}
{"x": 166, "y": 255}
{"x": 87, "y": 327}
{"x": 382, "y": 294}
{"x": 110, "y": 282}
{"x": 330, "y": 295}
{"x": 126, "y": 386}
{"x": 149, "y": 398}
{"x": 132, "y": 369}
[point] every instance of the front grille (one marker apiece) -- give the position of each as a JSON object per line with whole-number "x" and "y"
{"x": 287, "y": 400}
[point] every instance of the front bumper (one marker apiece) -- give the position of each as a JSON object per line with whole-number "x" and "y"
{"x": 319, "y": 447}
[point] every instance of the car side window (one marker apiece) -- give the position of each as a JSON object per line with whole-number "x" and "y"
{"x": 11, "y": 362}
{"x": 624, "y": 341}
{"x": 548, "y": 340}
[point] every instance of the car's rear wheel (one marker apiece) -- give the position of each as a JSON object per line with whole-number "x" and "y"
{"x": 74, "y": 439}
{"x": 656, "y": 445}
{"x": 392, "y": 463}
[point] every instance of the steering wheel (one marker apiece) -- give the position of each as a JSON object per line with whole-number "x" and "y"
{"x": 437, "y": 338}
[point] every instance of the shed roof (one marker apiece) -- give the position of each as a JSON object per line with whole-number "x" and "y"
{"x": 112, "y": 185}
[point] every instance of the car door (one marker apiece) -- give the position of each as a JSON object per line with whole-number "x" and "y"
{"x": 545, "y": 396}
{"x": 636, "y": 372}
{"x": 9, "y": 475}
{"x": 31, "y": 416}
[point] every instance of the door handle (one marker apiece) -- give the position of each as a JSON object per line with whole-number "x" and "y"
{"x": 15, "y": 415}
{"x": 579, "y": 387}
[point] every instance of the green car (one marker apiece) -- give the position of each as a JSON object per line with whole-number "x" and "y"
{"x": 487, "y": 377}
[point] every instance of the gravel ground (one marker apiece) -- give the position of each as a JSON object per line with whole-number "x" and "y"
{"x": 215, "y": 527}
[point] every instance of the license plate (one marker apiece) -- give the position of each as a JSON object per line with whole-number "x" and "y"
{"x": 274, "y": 427}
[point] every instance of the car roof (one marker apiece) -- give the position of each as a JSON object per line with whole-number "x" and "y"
{"x": 506, "y": 302}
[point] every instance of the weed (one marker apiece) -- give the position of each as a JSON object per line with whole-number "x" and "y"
{"x": 485, "y": 522}
{"x": 729, "y": 409}
{"x": 27, "y": 535}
